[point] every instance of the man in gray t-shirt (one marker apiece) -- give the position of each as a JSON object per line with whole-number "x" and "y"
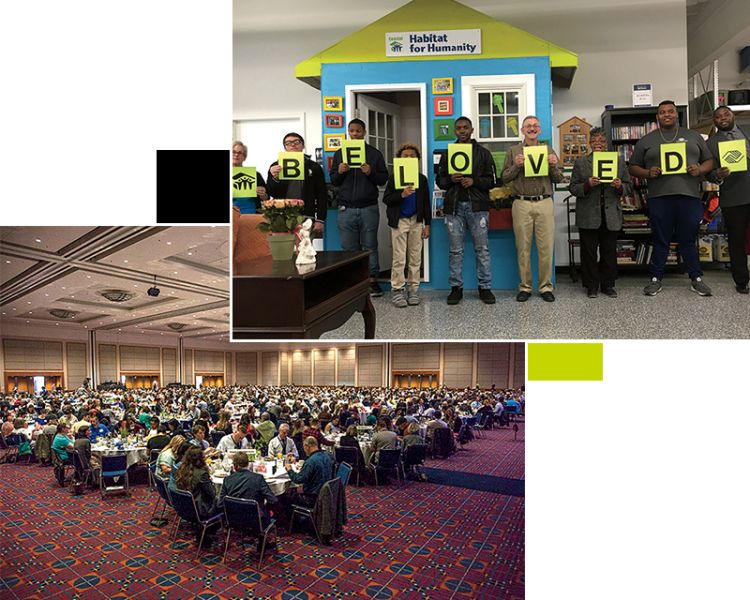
{"x": 734, "y": 197}
{"x": 674, "y": 203}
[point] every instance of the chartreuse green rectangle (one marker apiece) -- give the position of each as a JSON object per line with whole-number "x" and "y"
{"x": 566, "y": 362}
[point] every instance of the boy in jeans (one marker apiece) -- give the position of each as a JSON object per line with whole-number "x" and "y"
{"x": 409, "y": 217}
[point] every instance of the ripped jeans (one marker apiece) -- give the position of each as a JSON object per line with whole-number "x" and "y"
{"x": 478, "y": 224}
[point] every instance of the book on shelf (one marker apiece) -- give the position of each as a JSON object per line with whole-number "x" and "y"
{"x": 632, "y": 132}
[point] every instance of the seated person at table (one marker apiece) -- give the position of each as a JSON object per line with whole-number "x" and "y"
{"x": 168, "y": 456}
{"x": 160, "y": 440}
{"x": 63, "y": 446}
{"x": 82, "y": 445}
{"x": 318, "y": 469}
{"x": 154, "y": 429}
{"x": 97, "y": 429}
{"x": 192, "y": 476}
{"x": 435, "y": 423}
{"x": 314, "y": 431}
{"x": 243, "y": 483}
{"x": 203, "y": 419}
{"x": 384, "y": 439}
{"x": 144, "y": 418}
{"x": 333, "y": 427}
{"x": 298, "y": 429}
{"x": 266, "y": 429}
{"x": 175, "y": 428}
{"x": 282, "y": 444}
{"x": 349, "y": 439}
{"x": 199, "y": 439}
{"x": 412, "y": 437}
{"x": 224, "y": 425}
{"x": 234, "y": 441}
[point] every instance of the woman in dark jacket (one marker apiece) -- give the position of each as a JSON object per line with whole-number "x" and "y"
{"x": 409, "y": 216}
{"x": 193, "y": 477}
{"x": 598, "y": 217}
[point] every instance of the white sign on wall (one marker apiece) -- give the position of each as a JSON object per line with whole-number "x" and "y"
{"x": 433, "y": 43}
{"x": 643, "y": 94}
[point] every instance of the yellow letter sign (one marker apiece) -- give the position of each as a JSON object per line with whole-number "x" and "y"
{"x": 673, "y": 159}
{"x": 244, "y": 182}
{"x": 292, "y": 166}
{"x": 405, "y": 173}
{"x": 459, "y": 159}
{"x": 605, "y": 166}
{"x": 733, "y": 155}
{"x": 536, "y": 163}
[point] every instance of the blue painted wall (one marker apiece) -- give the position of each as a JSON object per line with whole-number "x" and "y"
{"x": 335, "y": 77}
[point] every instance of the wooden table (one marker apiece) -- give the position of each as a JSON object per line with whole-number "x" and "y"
{"x": 277, "y": 299}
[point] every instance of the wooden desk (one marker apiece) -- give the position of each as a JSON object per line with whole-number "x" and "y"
{"x": 273, "y": 300}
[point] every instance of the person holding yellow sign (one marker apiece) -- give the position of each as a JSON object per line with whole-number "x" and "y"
{"x": 247, "y": 204}
{"x": 673, "y": 159}
{"x": 358, "y": 176}
{"x": 730, "y": 147}
{"x": 532, "y": 169}
{"x": 407, "y": 197}
{"x": 467, "y": 174}
{"x": 597, "y": 183}
{"x": 297, "y": 181}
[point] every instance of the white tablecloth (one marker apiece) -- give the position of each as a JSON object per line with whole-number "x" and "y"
{"x": 279, "y": 483}
{"x": 134, "y": 454}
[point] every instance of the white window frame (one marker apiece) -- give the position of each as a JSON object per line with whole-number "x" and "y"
{"x": 524, "y": 84}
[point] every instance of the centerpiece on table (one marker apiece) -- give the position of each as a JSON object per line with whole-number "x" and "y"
{"x": 281, "y": 219}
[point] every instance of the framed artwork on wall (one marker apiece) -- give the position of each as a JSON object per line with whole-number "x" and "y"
{"x": 333, "y": 103}
{"x": 443, "y": 130}
{"x": 332, "y": 141}
{"x": 334, "y": 121}
{"x": 442, "y": 85}
{"x": 444, "y": 106}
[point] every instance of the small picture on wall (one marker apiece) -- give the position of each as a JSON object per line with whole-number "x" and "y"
{"x": 333, "y": 141}
{"x": 333, "y": 103}
{"x": 443, "y": 130}
{"x": 329, "y": 161}
{"x": 443, "y": 107}
{"x": 575, "y": 128}
{"x": 568, "y": 138}
{"x": 442, "y": 85}
{"x": 334, "y": 121}
{"x": 582, "y": 138}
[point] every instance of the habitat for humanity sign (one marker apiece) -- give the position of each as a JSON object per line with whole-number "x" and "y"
{"x": 431, "y": 43}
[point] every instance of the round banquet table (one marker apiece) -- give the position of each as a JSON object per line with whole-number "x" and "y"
{"x": 134, "y": 454}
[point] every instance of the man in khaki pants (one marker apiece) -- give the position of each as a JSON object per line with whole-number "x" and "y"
{"x": 533, "y": 212}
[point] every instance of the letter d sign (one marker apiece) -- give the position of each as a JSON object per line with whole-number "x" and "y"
{"x": 673, "y": 159}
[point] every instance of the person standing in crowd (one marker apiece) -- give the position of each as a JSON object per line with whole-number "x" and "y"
{"x": 734, "y": 196}
{"x": 598, "y": 217}
{"x": 409, "y": 217}
{"x": 533, "y": 212}
{"x": 674, "y": 203}
{"x": 239, "y": 154}
{"x": 359, "y": 214}
{"x": 467, "y": 205}
{"x": 311, "y": 189}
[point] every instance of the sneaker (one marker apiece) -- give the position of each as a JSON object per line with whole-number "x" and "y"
{"x": 610, "y": 292}
{"x": 700, "y": 288}
{"x": 742, "y": 289}
{"x": 457, "y": 292}
{"x": 653, "y": 288}
{"x": 522, "y": 296}
{"x": 548, "y": 296}
{"x": 591, "y": 293}
{"x": 375, "y": 290}
{"x": 398, "y": 299}
{"x": 412, "y": 298}
{"x": 486, "y": 296}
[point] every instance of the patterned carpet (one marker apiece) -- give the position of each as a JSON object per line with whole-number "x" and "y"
{"x": 500, "y": 452}
{"x": 421, "y": 541}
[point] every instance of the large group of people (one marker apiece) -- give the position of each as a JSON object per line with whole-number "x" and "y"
{"x": 674, "y": 206}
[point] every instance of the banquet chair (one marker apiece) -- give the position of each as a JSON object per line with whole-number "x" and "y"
{"x": 43, "y": 449}
{"x": 463, "y": 436}
{"x": 350, "y": 455}
{"x": 442, "y": 442}
{"x": 59, "y": 468}
{"x": 244, "y": 515}
{"x": 388, "y": 460}
{"x": 153, "y": 457}
{"x": 115, "y": 469}
{"x": 329, "y": 511}
{"x": 216, "y": 437}
{"x": 10, "y": 452}
{"x": 343, "y": 473}
{"x": 483, "y": 424}
{"x": 164, "y": 499}
{"x": 83, "y": 473}
{"x": 414, "y": 456}
{"x": 184, "y": 505}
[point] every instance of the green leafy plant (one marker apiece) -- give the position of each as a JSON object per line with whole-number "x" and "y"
{"x": 281, "y": 216}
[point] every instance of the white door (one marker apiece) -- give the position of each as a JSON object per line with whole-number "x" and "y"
{"x": 382, "y": 119}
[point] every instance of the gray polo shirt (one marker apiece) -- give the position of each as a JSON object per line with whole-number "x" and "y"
{"x": 647, "y": 154}
{"x": 735, "y": 191}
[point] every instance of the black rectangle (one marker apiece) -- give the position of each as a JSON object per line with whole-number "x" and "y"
{"x": 192, "y": 186}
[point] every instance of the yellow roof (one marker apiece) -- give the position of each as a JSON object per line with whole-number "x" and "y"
{"x": 499, "y": 40}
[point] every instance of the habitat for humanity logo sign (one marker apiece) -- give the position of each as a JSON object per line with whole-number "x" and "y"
{"x": 432, "y": 43}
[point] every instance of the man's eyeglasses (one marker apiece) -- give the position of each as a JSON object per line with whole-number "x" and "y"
{"x": 292, "y": 143}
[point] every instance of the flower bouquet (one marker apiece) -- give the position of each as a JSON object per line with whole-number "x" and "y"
{"x": 281, "y": 219}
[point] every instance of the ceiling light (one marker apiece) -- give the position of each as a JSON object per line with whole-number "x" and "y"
{"x": 176, "y": 326}
{"x": 62, "y": 314}
{"x": 117, "y": 295}
{"x": 153, "y": 291}
{"x": 125, "y": 261}
{"x": 169, "y": 243}
{"x": 7, "y": 262}
{"x": 38, "y": 241}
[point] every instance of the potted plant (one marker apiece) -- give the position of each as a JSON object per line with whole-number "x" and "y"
{"x": 281, "y": 219}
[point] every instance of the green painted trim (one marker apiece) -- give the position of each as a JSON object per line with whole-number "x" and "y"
{"x": 499, "y": 40}
{"x": 566, "y": 362}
